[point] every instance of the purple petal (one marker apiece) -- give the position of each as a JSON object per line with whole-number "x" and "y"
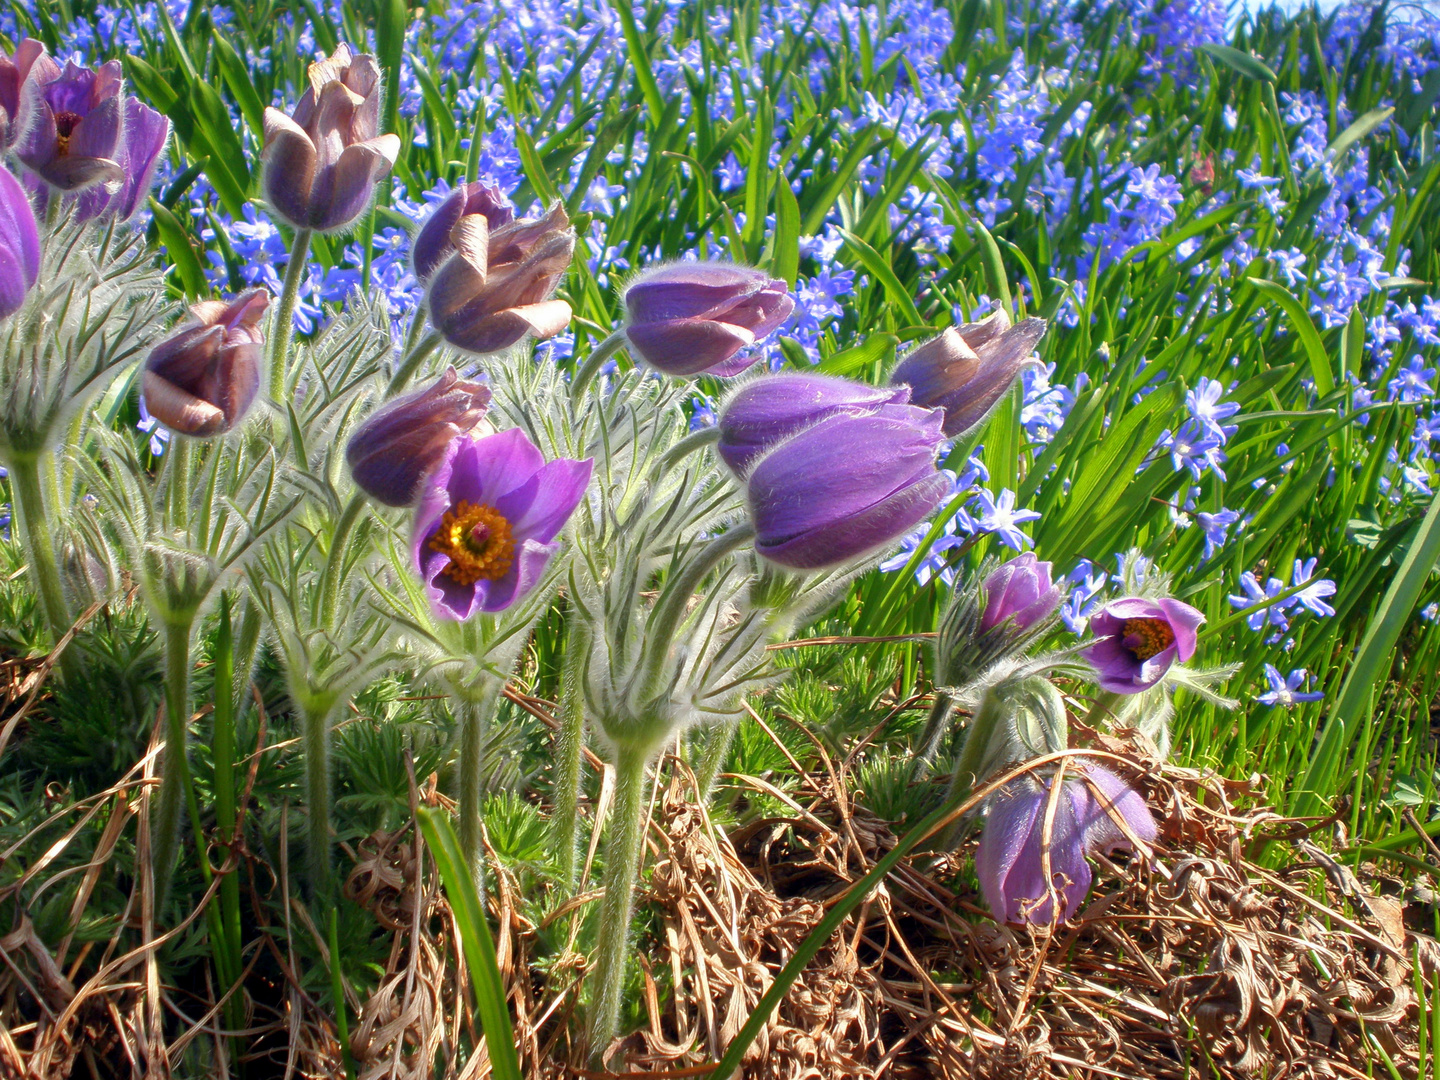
{"x": 19, "y": 244}
{"x": 484, "y": 470}
{"x": 539, "y": 508}
{"x": 1184, "y": 620}
{"x": 687, "y": 347}
{"x": 526, "y": 572}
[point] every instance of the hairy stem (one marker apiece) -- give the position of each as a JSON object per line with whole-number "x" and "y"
{"x": 339, "y": 542}
{"x": 570, "y": 768}
{"x": 414, "y": 357}
{"x": 27, "y": 493}
{"x": 284, "y": 324}
{"x": 695, "y": 441}
{"x": 586, "y": 372}
{"x": 622, "y": 871}
{"x": 475, "y": 717}
{"x": 175, "y": 773}
{"x": 718, "y": 741}
{"x": 936, "y": 725}
{"x": 983, "y": 723}
{"x": 316, "y": 735}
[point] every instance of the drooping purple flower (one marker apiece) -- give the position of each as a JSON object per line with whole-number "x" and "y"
{"x": 398, "y": 445}
{"x": 694, "y": 318}
{"x": 846, "y": 486}
{"x": 1010, "y": 859}
{"x": 433, "y": 244}
{"x": 768, "y": 411}
{"x": 497, "y": 286}
{"x": 202, "y": 380}
{"x": 1020, "y": 590}
{"x": 1138, "y": 639}
{"x": 322, "y": 162}
{"x": 70, "y": 125}
{"x": 487, "y": 521}
{"x": 968, "y": 369}
{"x": 142, "y": 144}
{"x": 14, "y": 73}
{"x": 19, "y": 245}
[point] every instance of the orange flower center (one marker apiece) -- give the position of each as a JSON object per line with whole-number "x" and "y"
{"x": 65, "y": 124}
{"x": 478, "y": 540}
{"x": 1146, "y": 637}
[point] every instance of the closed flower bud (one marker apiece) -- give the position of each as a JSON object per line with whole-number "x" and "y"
{"x": 393, "y": 451}
{"x": 322, "y": 162}
{"x": 496, "y": 288}
{"x": 1010, "y": 859}
{"x": 846, "y": 486}
{"x": 70, "y": 125}
{"x": 770, "y": 410}
{"x": 1021, "y": 591}
{"x": 1138, "y": 639}
{"x": 965, "y": 371}
{"x": 202, "y": 380}
{"x": 433, "y": 244}
{"x": 19, "y": 245}
{"x": 694, "y": 318}
{"x": 14, "y": 74}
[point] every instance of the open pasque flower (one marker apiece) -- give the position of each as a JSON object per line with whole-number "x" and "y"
{"x": 1009, "y": 861}
{"x": 202, "y": 380}
{"x": 693, "y": 318}
{"x": 496, "y": 286}
{"x": 487, "y": 521}
{"x": 19, "y": 245}
{"x": 322, "y": 162}
{"x": 1138, "y": 639}
{"x": 846, "y": 486}
{"x": 966, "y": 370}
{"x": 401, "y": 443}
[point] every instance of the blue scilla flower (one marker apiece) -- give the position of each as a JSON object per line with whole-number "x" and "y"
{"x": 1312, "y": 596}
{"x": 999, "y": 516}
{"x": 1412, "y": 384}
{"x": 1285, "y": 689}
{"x": 1192, "y": 447}
{"x": 1217, "y": 528}
{"x": 1263, "y": 600}
{"x": 159, "y": 434}
{"x": 1208, "y": 410}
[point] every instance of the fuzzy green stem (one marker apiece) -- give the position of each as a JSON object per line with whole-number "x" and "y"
{"x": 718, "y": 741}
{"x": 986, "y": 718}
{"x": 316, "y": 735}
{"x": 177, "y": 482}
{"x": 27, "y": 493}
{"x": 335, "y": 562}
{"x": 622, "y": 871}
{"x": 570, "y": 766}
{"x": 1103, "y": 711}
{"x": 586, "y": 372}
{"x": 474, "y": 722}
{"x": 411, "y": 364}
{"x": 175, "y": 773}
{"x": 284, "y": 324}
{"x": 692, "y": 443}
{"x": 936, "y": 724}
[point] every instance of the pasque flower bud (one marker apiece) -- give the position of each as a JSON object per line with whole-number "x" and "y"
{"x": 433, "y": 244}
{"x": 693, "y": 318}
{"x": 202, "y": 380}
{"x": 14, "y": 73}
{"x": 1022, "y": 591}
{"x": 966, "y": 370}
{"x": 846, "y": 486}
{"x": 19, "y": 245}
{"x": 496, "y": 287}
{"x": 768, "y": 411}
{"x": 322, "y": 162}
{"x": 393, "y": 451}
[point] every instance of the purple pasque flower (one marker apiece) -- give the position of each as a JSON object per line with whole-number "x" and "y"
{"x": 768, "y": 411}
{"x": 967, "y": 369}
{"x": 694, "y": 318}
{"x": 1021, "y": 591}
{"x": 323, "y": 161}
{"x": 70, "y": 125}
{"x": 142, "y": 143}
{"x": 1138, "y": 639}
{"x": 1285, "y": 690}
{"x": 400, "y": 443}
{"x": 202, "y": 380}
{"x": 14, "y": 74}
{"x": 497, "y": 286}
{"x": 433, "y": 244}
{"x": 487, "y": 521}
{"x": 19, "y": 245}
{"x": 846, "y": 486}
{"x": 1010, "y": 859}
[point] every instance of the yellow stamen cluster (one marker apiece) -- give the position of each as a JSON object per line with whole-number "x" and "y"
{"x": 1147, "y": 637}
{"x": 65, "y": 124}
{"x": 478, "y": 540}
